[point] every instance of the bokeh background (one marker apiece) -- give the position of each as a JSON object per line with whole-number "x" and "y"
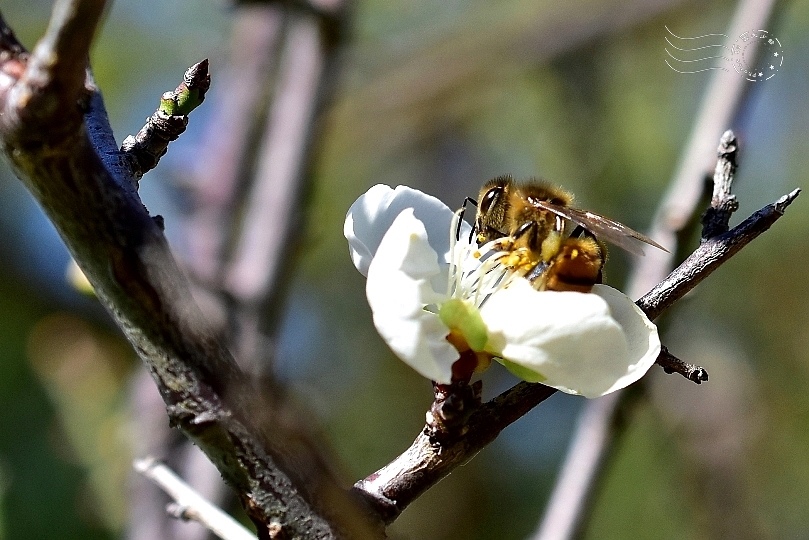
{"x": 442, "y": 96}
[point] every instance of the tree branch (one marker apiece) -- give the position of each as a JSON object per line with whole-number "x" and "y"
{"x": 718, "y": 110}
{"x": 122, "y": 251}
{"x": 189, "y": 504}
{"x": 709, "y": 255}
{"x": 55, "y": 74}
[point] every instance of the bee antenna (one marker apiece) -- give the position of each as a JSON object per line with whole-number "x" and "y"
{"x": 460, "y": 218}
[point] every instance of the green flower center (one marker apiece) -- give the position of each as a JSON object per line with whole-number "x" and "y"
{"x": 464, "y": 318}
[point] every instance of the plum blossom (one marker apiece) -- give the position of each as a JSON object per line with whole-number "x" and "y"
{"x": 435, "y": 294}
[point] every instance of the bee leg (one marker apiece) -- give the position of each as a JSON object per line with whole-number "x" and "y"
{"x": 463, "y": 211}
{"x": 526, "y": 233}
{"x": 520, "y": 245}
{"x": 537, "y": 276}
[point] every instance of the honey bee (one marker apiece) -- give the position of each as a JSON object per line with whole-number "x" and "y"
{"x": 554, "y": 245}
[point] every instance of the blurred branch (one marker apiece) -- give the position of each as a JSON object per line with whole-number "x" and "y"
{"x": 586, "y": 456}
{"x": 319, "y": 7}
{"x": 429, "y": 75}
{"x": 122, "y": 251}
{"x": 189, "y": 504}
{"x": 272, "y": 208}
{"x": 249, "y": 190}
{"x": 721, "y": 107}
{"x": 219, "y": 180}
{"x": 248, "y": 194}
{"x": 223, "y": 176}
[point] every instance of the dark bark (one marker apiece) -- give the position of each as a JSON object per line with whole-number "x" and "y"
{"x": 122, "y": 251}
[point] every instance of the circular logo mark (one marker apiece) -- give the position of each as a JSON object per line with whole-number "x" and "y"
{"x": 770, "y": 57}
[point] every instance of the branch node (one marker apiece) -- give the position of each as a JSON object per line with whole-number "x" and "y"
{"x": 181, "y": 512}
{"x": 451, "y": 408}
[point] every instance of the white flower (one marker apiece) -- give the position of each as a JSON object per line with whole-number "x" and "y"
{"x": 432, "y": 296}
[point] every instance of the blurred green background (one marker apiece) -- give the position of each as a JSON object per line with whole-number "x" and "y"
{"x": 442, "y": 96}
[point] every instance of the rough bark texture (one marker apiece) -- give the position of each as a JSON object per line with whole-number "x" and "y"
{"x": 122, "y": 251}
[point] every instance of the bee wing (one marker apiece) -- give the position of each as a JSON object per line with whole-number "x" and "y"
{"x": 604, "y": 228}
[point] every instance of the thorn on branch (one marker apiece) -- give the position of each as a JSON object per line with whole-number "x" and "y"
{"x": 672, "y": 364}
{"x": 168, "y": 122}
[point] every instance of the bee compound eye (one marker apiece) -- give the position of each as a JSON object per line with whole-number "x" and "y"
{"x": 489, "y": 198}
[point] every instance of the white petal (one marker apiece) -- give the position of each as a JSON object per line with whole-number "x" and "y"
{"x": 400, "y": 284}
{"x": 373, "y": 213}
{"x": 642, "y": 338}
{"x": 588, "y": 344}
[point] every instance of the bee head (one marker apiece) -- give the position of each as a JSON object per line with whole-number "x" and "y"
{"x": 493, "y": 209}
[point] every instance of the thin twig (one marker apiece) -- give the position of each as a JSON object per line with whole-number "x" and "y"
{"x": 189, "y": 504}
{"x": 168, "y": 122}
{"x": 672, "y": 364}
{"x": 709, "y": 255}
